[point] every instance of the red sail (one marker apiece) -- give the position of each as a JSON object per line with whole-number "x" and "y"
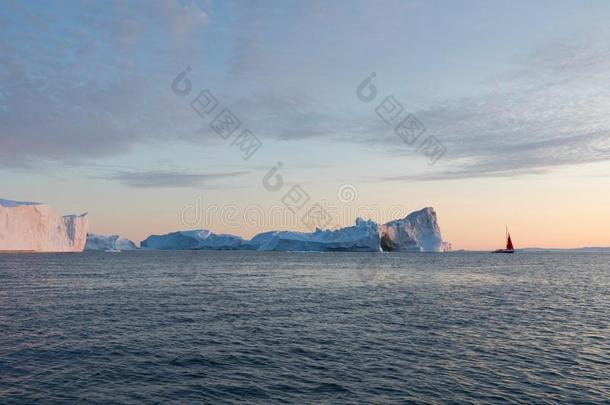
{"x": 509, "y": 243}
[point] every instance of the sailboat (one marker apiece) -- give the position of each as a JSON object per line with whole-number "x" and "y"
{"x": 509, "y": 245}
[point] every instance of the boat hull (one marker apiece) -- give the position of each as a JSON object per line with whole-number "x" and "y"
{"x": 503, "y": 251}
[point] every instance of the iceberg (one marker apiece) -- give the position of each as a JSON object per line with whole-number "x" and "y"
{"x": 34, "y": 227}
{"x": 362, "y": 237}
{"x": 417, "y": 232}
{"x": 108, "y": 242}
{"x": 199, "y": 239}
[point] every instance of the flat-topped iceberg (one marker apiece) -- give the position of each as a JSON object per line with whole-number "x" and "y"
{"x": 108, "y": 242}
{"x": 12, "y": 204}
{"x": 34, "y": 227}
{"x": 417, "y": 232}
{"x": 190, "y": 240}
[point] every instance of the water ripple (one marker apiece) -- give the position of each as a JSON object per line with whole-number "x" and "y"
{"x": 308, "y": 328}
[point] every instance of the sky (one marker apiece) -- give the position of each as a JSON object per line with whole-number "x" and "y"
{"x": 239, "y": 117}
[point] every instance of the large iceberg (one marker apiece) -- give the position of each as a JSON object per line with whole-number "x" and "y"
{"x": 34, "y": 227}
{"x": 417, "y": 232}
{"x": 363, "y": 236}
{"x": 190, "y": 240}
{"x": 108, "y": 242}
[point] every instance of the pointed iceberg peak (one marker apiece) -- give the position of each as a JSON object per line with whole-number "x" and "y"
{"x": 418, "y": 231}
{"x": 427, "y": 212}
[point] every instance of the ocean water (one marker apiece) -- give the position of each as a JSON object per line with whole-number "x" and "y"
{"x": 223, "y": 327}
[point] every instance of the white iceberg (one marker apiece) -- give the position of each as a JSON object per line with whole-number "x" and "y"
{"x": 417, "y": 232}
{"x": 34, "y": 227}
{"x": 363, "y": 236}
{"x": 191, "y": 240}
{"x": 108, "y": 242}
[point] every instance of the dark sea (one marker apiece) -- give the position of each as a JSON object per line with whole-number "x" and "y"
{"x": 234, "y": 327}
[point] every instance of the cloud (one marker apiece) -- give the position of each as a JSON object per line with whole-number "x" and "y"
{"x": 551, "y": 112}
{"x": 274, "y": 43}
{"x": 170, "y": 179}
{"x": 182, "y": 17}
{"x": 82, "y": 88}
{"x": 526, "y": 158}
{"x": 568, "y": 59}
{"x": 74, "y": 90}
{"x": 287, "y": 116}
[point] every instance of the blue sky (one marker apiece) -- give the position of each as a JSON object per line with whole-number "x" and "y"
{"x": 516, "y": 92}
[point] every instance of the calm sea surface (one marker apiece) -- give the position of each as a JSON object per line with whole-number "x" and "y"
{"x": 308, "y": 328}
